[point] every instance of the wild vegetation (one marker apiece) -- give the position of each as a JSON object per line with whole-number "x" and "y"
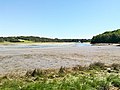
{"x": 97, "y": 76}
{"x": 39, "y": 39}
{"x": 107, "y": 37}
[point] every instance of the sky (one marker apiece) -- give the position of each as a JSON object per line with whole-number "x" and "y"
{"x": 58, "y": 18}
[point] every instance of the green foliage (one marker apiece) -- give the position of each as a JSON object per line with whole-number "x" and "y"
{"x": 1, "y": 39}
{"x": 97, "y": 66}
{"x": 11, "y": 85}
{"x": 75, "y": 80}
{"x": 39, "y": 39}
{"x": 116, "y": 67}
{"x": 68, "y": 82}
{"x": 116, "y": 82}
{"x": 107, "y": 37}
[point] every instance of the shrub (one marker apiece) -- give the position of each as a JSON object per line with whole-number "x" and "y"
{"x": 35, "y": 72}
{"x": 116, "y": 82}
{"x": 97, "y": 66}
{"x": 79, "y": 68}
{"x": 116, "y": 66}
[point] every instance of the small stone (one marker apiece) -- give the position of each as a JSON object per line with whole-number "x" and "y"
{"x": 109, "y": 70}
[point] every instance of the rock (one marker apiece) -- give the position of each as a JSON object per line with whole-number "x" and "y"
{"x": 109, "y": 70}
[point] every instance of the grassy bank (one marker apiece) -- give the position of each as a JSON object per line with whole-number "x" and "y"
{"x": 95, "y": 77}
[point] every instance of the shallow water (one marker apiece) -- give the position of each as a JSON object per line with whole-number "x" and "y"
{"x": 11, "y": 46}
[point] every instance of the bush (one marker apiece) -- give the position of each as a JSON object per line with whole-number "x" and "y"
{"x": 116, "y": 66}
{"x": 116, "y": 82}
{"x": 97, "y": 66}
{"x": 35, "y": 72}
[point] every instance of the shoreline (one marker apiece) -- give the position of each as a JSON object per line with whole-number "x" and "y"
{"x": 54, "y": 43}
{"x": 23, "y": 59}
{"x": 36, "y": 43}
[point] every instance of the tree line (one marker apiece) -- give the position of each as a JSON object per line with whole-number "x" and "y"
{"x": 39, "y": 39}
{"x": 107, "y": 37}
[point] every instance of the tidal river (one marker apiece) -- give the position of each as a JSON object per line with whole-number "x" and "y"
{"x": 22, "y": 57}
{"x": 43, "y": 45}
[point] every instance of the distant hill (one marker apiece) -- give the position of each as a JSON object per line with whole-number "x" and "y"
{"x": 107, "y": 37}
{"x": 38, "y": 39}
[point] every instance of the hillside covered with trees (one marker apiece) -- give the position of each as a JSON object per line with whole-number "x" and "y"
{"x": 39, "y": 39}
{"x": 107, "y": 37}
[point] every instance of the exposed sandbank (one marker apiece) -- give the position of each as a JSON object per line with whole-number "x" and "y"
{"x": 22, "y": 59}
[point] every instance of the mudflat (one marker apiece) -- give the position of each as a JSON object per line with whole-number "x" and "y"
{"x": 19, "y": 60}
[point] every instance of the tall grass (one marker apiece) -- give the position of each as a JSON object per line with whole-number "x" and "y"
{"x": 78, "y": 79}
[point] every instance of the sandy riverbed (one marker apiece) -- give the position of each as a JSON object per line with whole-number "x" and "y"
{"x": 22, "y": 59}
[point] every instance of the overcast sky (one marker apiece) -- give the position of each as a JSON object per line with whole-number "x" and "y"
{"x": 58, "y": 18}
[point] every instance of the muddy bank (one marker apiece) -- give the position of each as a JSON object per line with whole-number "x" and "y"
{"x": 19, "y": 60}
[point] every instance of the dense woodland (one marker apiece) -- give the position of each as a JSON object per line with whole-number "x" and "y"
{"x": 107, "y": 37}
{"x": 39, "y": 39}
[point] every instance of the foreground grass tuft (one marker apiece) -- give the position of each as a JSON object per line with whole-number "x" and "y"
{"x": 95, "y": 77}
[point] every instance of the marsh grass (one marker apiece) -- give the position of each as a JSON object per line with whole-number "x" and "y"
{"x": 94, "y": 77}
{"x": 97, "y": 66}
{"x": 116, "y": 67}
